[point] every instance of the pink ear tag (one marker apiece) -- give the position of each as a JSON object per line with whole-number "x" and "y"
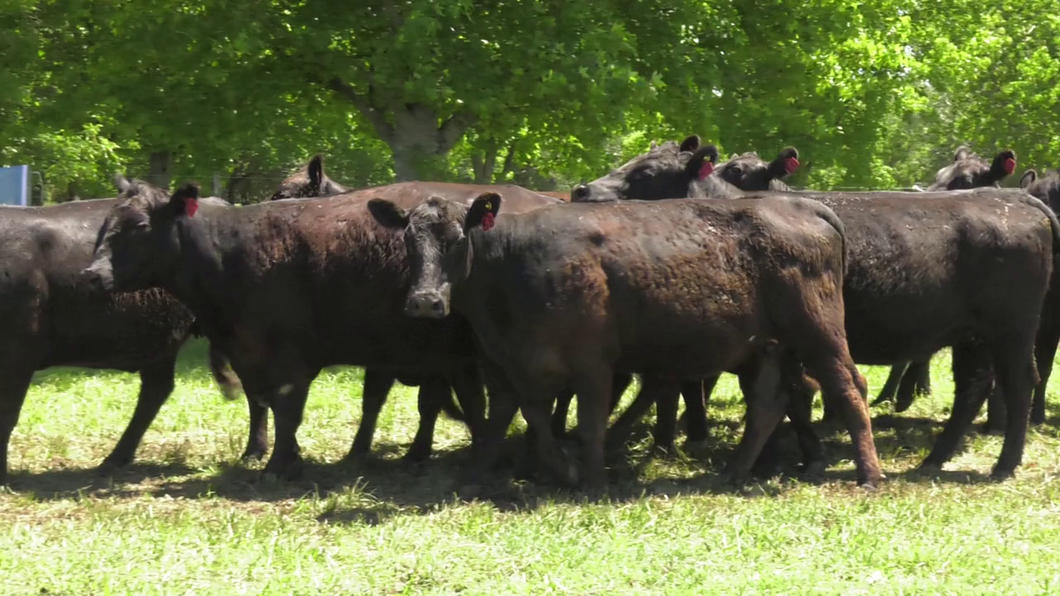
{"x": 487, "y": 221}
{"x": 1010, "y": 165}
{"x": 791, "y": 164}
{"x": 191, "y": 205}
{"x": 706, "y": 170}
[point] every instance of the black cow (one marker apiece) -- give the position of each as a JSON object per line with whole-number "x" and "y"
{"x": 310, "y": 182}
{"x": 286, "y": 288}
{"x": 50, "y": 319}
{"x": 967, "y": 269}
{"x": 1047, "y": 189}
{"x": 566, "y": 296}
{"x": 967, "y": 171}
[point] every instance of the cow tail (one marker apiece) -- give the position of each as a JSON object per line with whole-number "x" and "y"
{"x": 226, "y": 378}
{"x": 829, "y": 216}
{"x": 1036, "y": 202}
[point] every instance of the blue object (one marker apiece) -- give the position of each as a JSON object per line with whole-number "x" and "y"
{"x": 14, "y": 186}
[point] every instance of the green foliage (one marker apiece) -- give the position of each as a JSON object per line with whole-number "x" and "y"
{"x": 873, "y": 94}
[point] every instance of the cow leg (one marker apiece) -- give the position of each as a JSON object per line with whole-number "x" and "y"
{"x": 559, "y": 415}
{"x": 377, "y": 385}
{"x": 619, "y": 383}
{"x": 890, "y": 388}
{"x": 467, "y": 383}
{"x": 434, "y": 391}
{"x": 258, "y": 437}
{"x": 223, "y": 374}
{"x": 503, "y": 404}
{"x": 765, "y": 401}
{"x": 156, "y": 384}
{"x": 695, "y": 395}
{"x": 1044, "y": 353}
{"x": 14, "y": 383}
{"x": 972, "y": 381}
{"x": 1016, "y": 376}
{"x": 996, "y": 415}
{"x": 621, "y": 430}
{"x": 594, "y": 390}
{"x": 667, "y": 400}
{"x": 908, "y": 387}
{"x": 288, "y": 407}
{"x": 800, "y": 412}
{"x": 536, "y": 413}
{"x": 923, "y": 378}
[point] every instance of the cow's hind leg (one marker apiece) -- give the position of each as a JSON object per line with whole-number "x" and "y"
{"x": 156, "y": 384}
{"x": 1016, "y": 377}
{"x": 1044, "y": 353}
{"x": 972, "y": 376}
{"x": 890, "y": 388}
{"x": 377, "y": 385}
{"x": 14, "y": 383}
{"x": 695, "y": 395}
{"x": 916, "y": 377}
{"x": 766, "y": 402}
{"x": 503, "y": 404}
{"x": 288, "y": 407}
{"x": 622, "y": 429}
{"x": 258, "y": 437}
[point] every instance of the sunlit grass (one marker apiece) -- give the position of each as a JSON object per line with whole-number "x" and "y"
{"x": 188, "y": 518}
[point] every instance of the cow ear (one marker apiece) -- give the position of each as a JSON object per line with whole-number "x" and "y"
{"x": 702, "y": 163}
{"x": 962, "y": 152}
{"x": 316, "y": 170}
{"x": 690, "y": 144}
{"x": 483, "y": 212}
{"x": 1028, "y": 178}
{"x": 122, "y": 182}
{"x": 785, "y": 163}
{"x": 185, "y": 201}
{"x": 388, "y": 214}
{"x": 1004, "y": 164}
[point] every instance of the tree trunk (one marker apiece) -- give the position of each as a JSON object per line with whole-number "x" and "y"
{"x": 417, "y": 136}
{"x": 509, "y": 162}
{"x": 485, "y": 163}
{"x": 159, "y": 174}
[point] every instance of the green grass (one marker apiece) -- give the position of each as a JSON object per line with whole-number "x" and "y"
{"x": 187, "y": 518}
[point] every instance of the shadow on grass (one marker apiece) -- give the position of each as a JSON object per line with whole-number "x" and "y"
{"x": 373, "y": 489}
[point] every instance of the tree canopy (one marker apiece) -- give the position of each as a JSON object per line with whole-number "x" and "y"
{"x": 542, "y": 93}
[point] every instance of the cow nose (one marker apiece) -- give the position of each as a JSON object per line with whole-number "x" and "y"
{"x": 430, "y": 304}
{"x": 580, "y": 193}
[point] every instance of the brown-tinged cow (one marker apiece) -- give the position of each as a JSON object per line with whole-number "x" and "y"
{"x": 568, "y": 296}
{"x": 965, "y": 269}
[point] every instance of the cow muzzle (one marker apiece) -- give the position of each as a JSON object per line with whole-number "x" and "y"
{"x": 431, "y": 305}
{"x": 97, "y": 277}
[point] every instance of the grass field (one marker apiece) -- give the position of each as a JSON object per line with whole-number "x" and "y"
{"x": 187, "y": 518}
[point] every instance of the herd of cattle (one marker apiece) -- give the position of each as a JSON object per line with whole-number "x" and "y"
{"x": 675, "y": 267}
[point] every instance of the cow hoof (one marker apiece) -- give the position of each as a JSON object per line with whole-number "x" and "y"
{"x": 880, "y": 400}
{"x": 902, "y": 405}
{"x": 815, "y": 469}
{"x": 112, "y": 464}
{"x": 469, "y": 492}
{"x": 417, "y": 455}
{"x": 252, "y": 455}
{"x": 929, "y": 468}
{"x": 868, "y": 486}
{"x": 1002, "y": 475}
{"x": 282, "y": 470}
{"x": 664, "y": 450}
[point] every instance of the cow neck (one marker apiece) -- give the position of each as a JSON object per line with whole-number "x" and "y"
{"x": 199, "y": 280}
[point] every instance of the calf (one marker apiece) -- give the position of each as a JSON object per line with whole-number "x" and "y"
{"x": 566, "y": 296}
{"x": 967, "y": 171}
{"x": 50, "y": 319}
{"x": 286, "y": 288}
{"x": 966, "y": 269}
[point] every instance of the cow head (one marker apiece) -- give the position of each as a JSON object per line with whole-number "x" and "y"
{"x": 310, "y": 182}
{"x": 438, "y": 244}
{"x": 968, "y": 170}
{"x": 750, "y": 172}
{"x": 138, "y": 243}
{"x": 665, "y": 172}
